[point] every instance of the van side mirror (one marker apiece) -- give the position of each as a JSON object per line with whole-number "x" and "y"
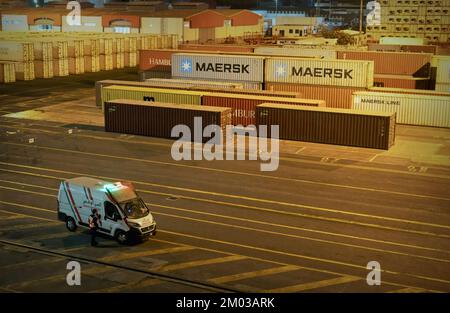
{"x": 116, "y": 216}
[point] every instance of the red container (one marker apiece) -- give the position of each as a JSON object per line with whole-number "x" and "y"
{"x": 133, "y": 20}
{"x": 335, "y": 97}
{"x": 399, "y": 81}
{"x": 206, "y": 19}
{"x": 244, "y": 106}
{"x": 156, "y": 60}
{"x": 393, "y": 63}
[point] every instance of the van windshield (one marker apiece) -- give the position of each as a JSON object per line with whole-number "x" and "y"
{"x": 135, "y": 208}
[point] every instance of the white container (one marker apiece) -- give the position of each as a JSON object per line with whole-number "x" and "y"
{"x": 16, "y": 51}
{"x": 297, "y": 51}
{"x": 214, "y": 66}
{"x": 443, "y": 87}
{"x": 411, "y": 109}
{"x": 402, "y": 41}
{"x": 442, "y": 64}
{"x": 346, "y": 73}
{"x": 14, "y": 23}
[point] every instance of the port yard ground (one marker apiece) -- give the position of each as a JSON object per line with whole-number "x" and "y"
{"x": 311, "y": 226}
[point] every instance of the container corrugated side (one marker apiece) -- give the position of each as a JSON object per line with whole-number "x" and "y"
{"x": 400, "y": 81}
{"x": 443, "y": 87}
{"x": 395, "y": 63}
{"x": 244, "y": 106}
{"x": 411, "y": 109}
{"x": 334, "y": 96}
{"x": 158, "y": 119}
{"x": 409, "y": 91}
{"x": 214, "y": 66}
{"x": 442, "y": 64}
{"x": 16, "y": 51}
{"x": 345, "y": 73}
{"x": 245, "y": 84}
{"x": 99, "y": 85}
{"x": 329, "y": 126}
{"x": 297, "y": 52}
{"x": 150, "y": 94}
{"x": 193, "y": 83}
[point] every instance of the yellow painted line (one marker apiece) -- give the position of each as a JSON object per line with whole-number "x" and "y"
{"x": 289, "y": 235}
{"x": 253, "y": 274}
{"x": 408, "y": 290}
{"x": 14, "y": 217}
{"x": 28, "y": 191}
{"x": 248, "y": 257}
{"x": 30, "y": 216}
{"x": 28, "y": 207}
{"x": 132, "y": 255}
{"x": 264, "y": 223}
{"x": 298, "y": 256}
{"x": 31, "y": 263}
{"x": 290, "y": 159}
{"x": 60, "y": 277}
{"x": 185, "y": 265}
{"x": 33, "y": 129}
{"x": 52, "y": 236}
{"x": 316, "y": 284}
{"x": 8, "y": 112}
{"x": 147, "y": 282}
{"x": 297, "y": 236}
{"x": 73, "y": 249}
{"x": 25, "y": 184}
{"x": 301, "y": 206}
{"x": 28, "y": 226}
{"x": 250, "y": 174}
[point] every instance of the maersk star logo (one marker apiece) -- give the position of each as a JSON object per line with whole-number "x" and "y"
{"x": 280, "y": 70}
{"x": 186, "y": 65}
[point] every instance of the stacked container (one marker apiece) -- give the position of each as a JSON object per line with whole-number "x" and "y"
{"x": 215, "y": 67}
{"x": 7, "y": 72}
{"x": 23, "y": 54}
{"x": 441, "y": 64}
{"x": 331, "y": 80}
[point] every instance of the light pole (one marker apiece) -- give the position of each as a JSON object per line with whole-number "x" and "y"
{"x": 360, "y": 16}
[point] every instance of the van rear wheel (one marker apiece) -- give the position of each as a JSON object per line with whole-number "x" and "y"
{"x": 71, "y": 224}
{"x": 121, "y": 237}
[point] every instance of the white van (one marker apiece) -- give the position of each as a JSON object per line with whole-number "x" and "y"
{"x": 124, "y": 215}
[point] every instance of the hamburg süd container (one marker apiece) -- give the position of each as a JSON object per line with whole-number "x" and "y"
{"x": 412, "y": 109}
{"x": 393, "y": 63}
{"x": 329, "y": 126}
{"x": 157, "y": 119}
{"x": 151, "y": 95}
{"x": 216, "y": 66}
{"x": 334, "y": 96}
{"x": 244, "y": 106}
{"x": 344, "y": 73}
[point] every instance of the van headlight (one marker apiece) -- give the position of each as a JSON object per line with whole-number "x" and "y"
{"x": 135, "y": 225}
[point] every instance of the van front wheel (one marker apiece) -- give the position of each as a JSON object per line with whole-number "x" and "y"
{"x": 71, "y": 224}
{"x": 121, "y": 237}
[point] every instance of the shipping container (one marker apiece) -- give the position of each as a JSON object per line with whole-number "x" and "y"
{"x": 156, "y": 119}
{"x": 194, "y": 83}
{"x": 401, "y": 81}
{"x": 16, "y": 51}
{"x": 215, "y": 66}
{"x": 216, "y": 48}
{"x": 156, "y": 60}
{"x": 297, "y": 52}
{"x": 245, "y": 85}
{"x": 150, "y": 84}
{"x": 76, "y": 65}
{"x": 60, "y": 67}
{"x": 151, "y": 94}
{"x": 7, "y": 72}
{"x": 408, "y": 91}
{"x": 244, "y": 106}
{"x": 91, "y": 24}
{"x": 405, "y": 48}
{"x": 14, "y": 23}
{"x": 410, "y": 108}
{"x": 329, "y": 126}
{"x": 402, "y": 41}
{"x": 442, "y": 65}
{"x": 443, "y": 87}
{"x": 334, "y": 96}
{"x": 43, "y": 69}
{"x": 24, "y": 70}
{"x": 345, "y": 73}
{"x": 394, "y": 63}
{"x": 144, "y": 75}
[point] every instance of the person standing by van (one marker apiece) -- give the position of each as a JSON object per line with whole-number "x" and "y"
{"x": 94, "y": 222}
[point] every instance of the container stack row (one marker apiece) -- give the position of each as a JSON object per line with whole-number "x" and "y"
{"x": 47, "y": 55}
